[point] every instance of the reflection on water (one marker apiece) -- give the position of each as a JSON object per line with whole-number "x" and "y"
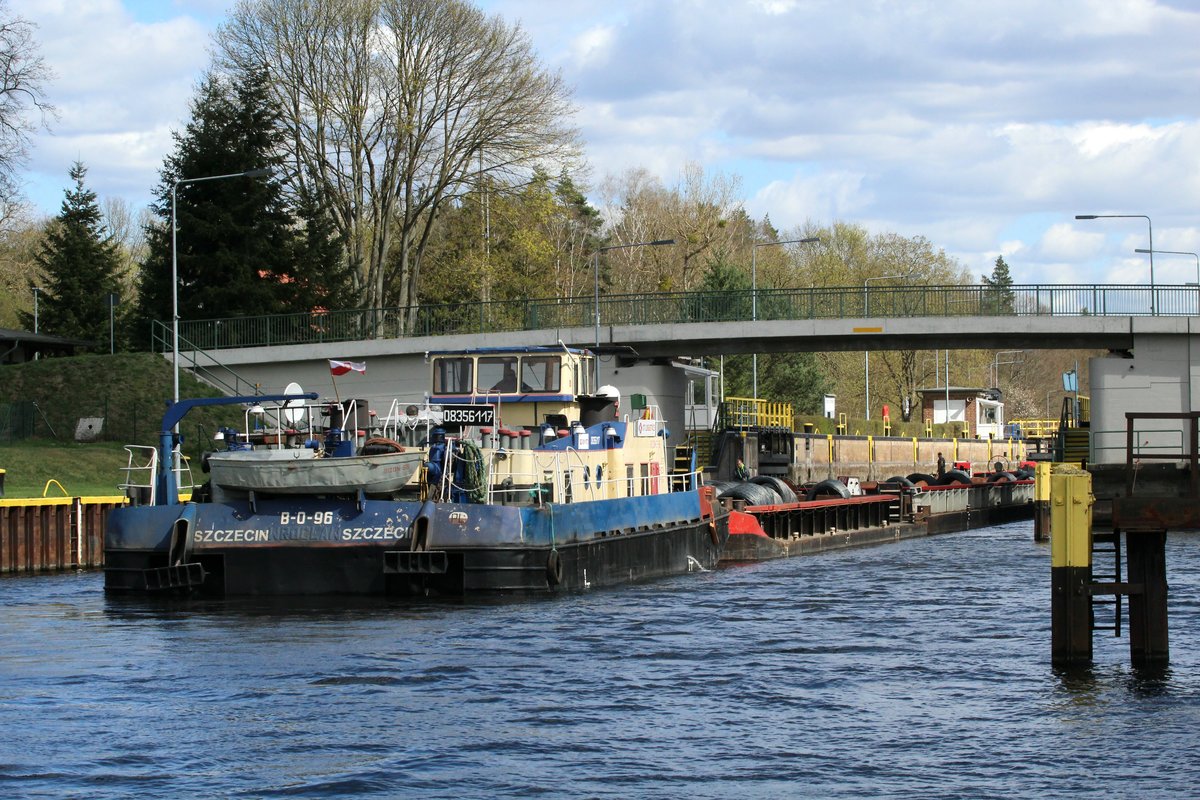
{"x": 916, "y": 669}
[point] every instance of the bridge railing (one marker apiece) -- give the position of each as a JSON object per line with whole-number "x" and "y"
{"x": 819, "y": 302}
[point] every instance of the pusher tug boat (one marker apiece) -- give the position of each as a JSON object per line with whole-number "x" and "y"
{"x": 531, "y": 485}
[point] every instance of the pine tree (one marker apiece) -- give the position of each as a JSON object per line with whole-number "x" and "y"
{"x": 999, "y": 297}
{"x": 241, "y": 251}
{"x": 77, "y": 268}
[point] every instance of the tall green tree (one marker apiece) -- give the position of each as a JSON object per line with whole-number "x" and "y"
{"x": 78, "y": 267}
{"x": 241, "y": 249}
{"x": 999, "y": 297}
{"x": 528, "y": 242}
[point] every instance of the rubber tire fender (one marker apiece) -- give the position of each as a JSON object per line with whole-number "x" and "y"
{"x": 554, "y": 569}
{"x": 921, "y": 477}
{"x": 720, "y": 487}
{"x": 903, "y": 481}
{"x": 754, "y": 494}
{"x": 785, "y": 492}
{"x": 832, "y": 485}
{"x": 998, "y": 477}
{"x": 954, "y": 476}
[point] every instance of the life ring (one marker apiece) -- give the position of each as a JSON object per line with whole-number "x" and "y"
{"x": 554, "y": 569}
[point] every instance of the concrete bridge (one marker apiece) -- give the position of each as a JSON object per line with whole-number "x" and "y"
{"x": 1151, "y": 365}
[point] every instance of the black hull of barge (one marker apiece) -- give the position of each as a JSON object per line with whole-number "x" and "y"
{"x": 603, "y": 561}
{"x": 323, "y": 569}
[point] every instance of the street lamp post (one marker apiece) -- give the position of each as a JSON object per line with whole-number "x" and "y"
{"x": 754, "y": 295}
{"x": 1176, "y": 253}
{"x": 596, "y": 296}
{"x": 251, "y": 173}
{"x": 36, "y": 291}
{"x": 113, "y": 299}
{"x": 1150, "y": 228}
{"x": 867, "y": 353}
{"x": 996, "y": 362}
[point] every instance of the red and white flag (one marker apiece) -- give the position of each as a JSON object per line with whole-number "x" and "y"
{"x": 342, "y": 367}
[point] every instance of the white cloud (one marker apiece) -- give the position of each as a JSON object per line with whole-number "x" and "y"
{"x": 827, "y": 196}
{"x": 121, "y": 85}
{"x": 984, "y": 127}
{"x": 1069, "y": 242}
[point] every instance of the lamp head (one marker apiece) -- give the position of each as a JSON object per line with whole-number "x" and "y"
{"x": 1085, "y": 216}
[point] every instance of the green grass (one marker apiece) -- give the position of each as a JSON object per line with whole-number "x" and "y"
{"x": 81, "y": 470}
{"x": 129, "y": 390}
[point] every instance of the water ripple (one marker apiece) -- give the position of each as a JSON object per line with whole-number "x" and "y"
{"x": 916, "y": 669}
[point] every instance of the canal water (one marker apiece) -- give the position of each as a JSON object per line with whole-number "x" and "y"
{"x": 917, "y": 669}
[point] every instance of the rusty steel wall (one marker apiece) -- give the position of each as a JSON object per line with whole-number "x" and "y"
{"x": 53, "y": 534}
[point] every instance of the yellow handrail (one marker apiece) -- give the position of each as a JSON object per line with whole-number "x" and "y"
{"x": 747, "y": 412}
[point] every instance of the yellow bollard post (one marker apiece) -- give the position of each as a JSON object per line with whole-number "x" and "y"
{"x": 1070, "y": 565}
{"x": 1041, "y": 501}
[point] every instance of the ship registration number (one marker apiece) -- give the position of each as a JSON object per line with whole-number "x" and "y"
{"x": 288, "y": 518}
{"x": 356, "y": 534}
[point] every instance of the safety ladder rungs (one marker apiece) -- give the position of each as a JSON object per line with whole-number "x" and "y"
{"x": 1104, "y": 589}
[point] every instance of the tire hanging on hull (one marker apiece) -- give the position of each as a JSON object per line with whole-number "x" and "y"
{"x": 554, "y": 569}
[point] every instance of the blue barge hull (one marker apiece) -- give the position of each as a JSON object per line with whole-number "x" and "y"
{"x": 332, "y": 546}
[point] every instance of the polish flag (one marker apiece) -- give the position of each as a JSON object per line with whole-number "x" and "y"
{"x": 342, "y": 367}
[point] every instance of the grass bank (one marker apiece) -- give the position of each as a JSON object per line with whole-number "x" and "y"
{"x": 128, "y": 391}
{"x": 77, "y": 470}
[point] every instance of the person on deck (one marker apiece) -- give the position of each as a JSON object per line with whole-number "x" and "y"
{"x": 941, "y": 465}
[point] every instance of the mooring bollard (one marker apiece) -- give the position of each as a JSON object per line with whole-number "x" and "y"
{"x": 1070, "y": 565}
{"x": 1041, "y": 501}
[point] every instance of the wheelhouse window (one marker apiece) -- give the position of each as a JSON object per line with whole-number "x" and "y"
{"x": 540, "y": 374}
{"x": 452, "y": 375}
{"x": 497, "y": 374}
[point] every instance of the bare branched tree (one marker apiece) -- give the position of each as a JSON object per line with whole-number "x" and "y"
{"x": 394, "y": 108}
{"x": 126, "y": 230}
{"x": 23, "y": 104}
{"x": 696, "y": 213}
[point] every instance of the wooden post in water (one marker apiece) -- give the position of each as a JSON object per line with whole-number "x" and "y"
{"x": 1070, "y": 565}
{"x": 1146, "y": 555}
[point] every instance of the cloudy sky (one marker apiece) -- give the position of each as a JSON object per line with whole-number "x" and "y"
{"x": 984, "y": 126}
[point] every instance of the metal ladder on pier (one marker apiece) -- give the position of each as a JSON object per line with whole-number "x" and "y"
{"x": 1106, "y": 543}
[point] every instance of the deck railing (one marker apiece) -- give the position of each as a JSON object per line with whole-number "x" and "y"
{"x": 821, "y": 302}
